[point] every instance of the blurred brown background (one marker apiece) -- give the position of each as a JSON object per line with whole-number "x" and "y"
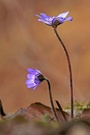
{"x": 25, "y": 42}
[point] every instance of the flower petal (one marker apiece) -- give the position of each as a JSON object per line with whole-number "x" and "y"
{"x": 32, "y": 71}
{"x": 38, "y": 72}
{"x": 31, "y": 81}
{"x": 37, "y": 81}
{"x": 59, "y": 19}
{"x": 30, "y": 76}
{"x": 34, "y": 88}
{"x": 46, "y": 22}
{"x": 42, "y": 20}
{"x": 68, "y": 19}
{"x": 44, "y": 16}
{"x": 63, "y": 15}
{"x": 45, "y": 19}
{"x": 30, "y": 86}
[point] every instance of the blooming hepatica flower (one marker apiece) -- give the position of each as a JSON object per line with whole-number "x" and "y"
{"x": 35, "y": 77}
{"x": 54, "y": 21}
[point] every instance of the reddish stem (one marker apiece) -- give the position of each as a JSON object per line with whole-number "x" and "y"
{"x": 51, "y": 100}
{"x": 70, "y": 70}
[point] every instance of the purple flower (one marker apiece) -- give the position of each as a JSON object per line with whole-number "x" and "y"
{"x": 54, "y": 21}
{"x": 35, "y": 77}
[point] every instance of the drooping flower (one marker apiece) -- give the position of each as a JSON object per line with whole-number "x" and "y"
{"x": 54, "y": 21}
{"x": 35, "y": 77}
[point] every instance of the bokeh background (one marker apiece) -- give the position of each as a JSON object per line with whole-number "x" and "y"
{"x": 25, "y": 42}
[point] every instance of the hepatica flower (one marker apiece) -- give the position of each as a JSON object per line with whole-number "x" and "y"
{"x": 54, "y": 21}
{"x": 35, "y": 77}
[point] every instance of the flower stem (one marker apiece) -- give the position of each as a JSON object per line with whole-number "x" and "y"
{"x": 70, "y": 70}
{"x": 2, "y": 113}
{"x": 61, "y": 110}
{"x": 51, "y": 100}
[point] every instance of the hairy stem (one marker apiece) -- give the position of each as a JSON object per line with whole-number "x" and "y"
{"x": 70, "y": 70}
{"x": 51, "y": 100}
